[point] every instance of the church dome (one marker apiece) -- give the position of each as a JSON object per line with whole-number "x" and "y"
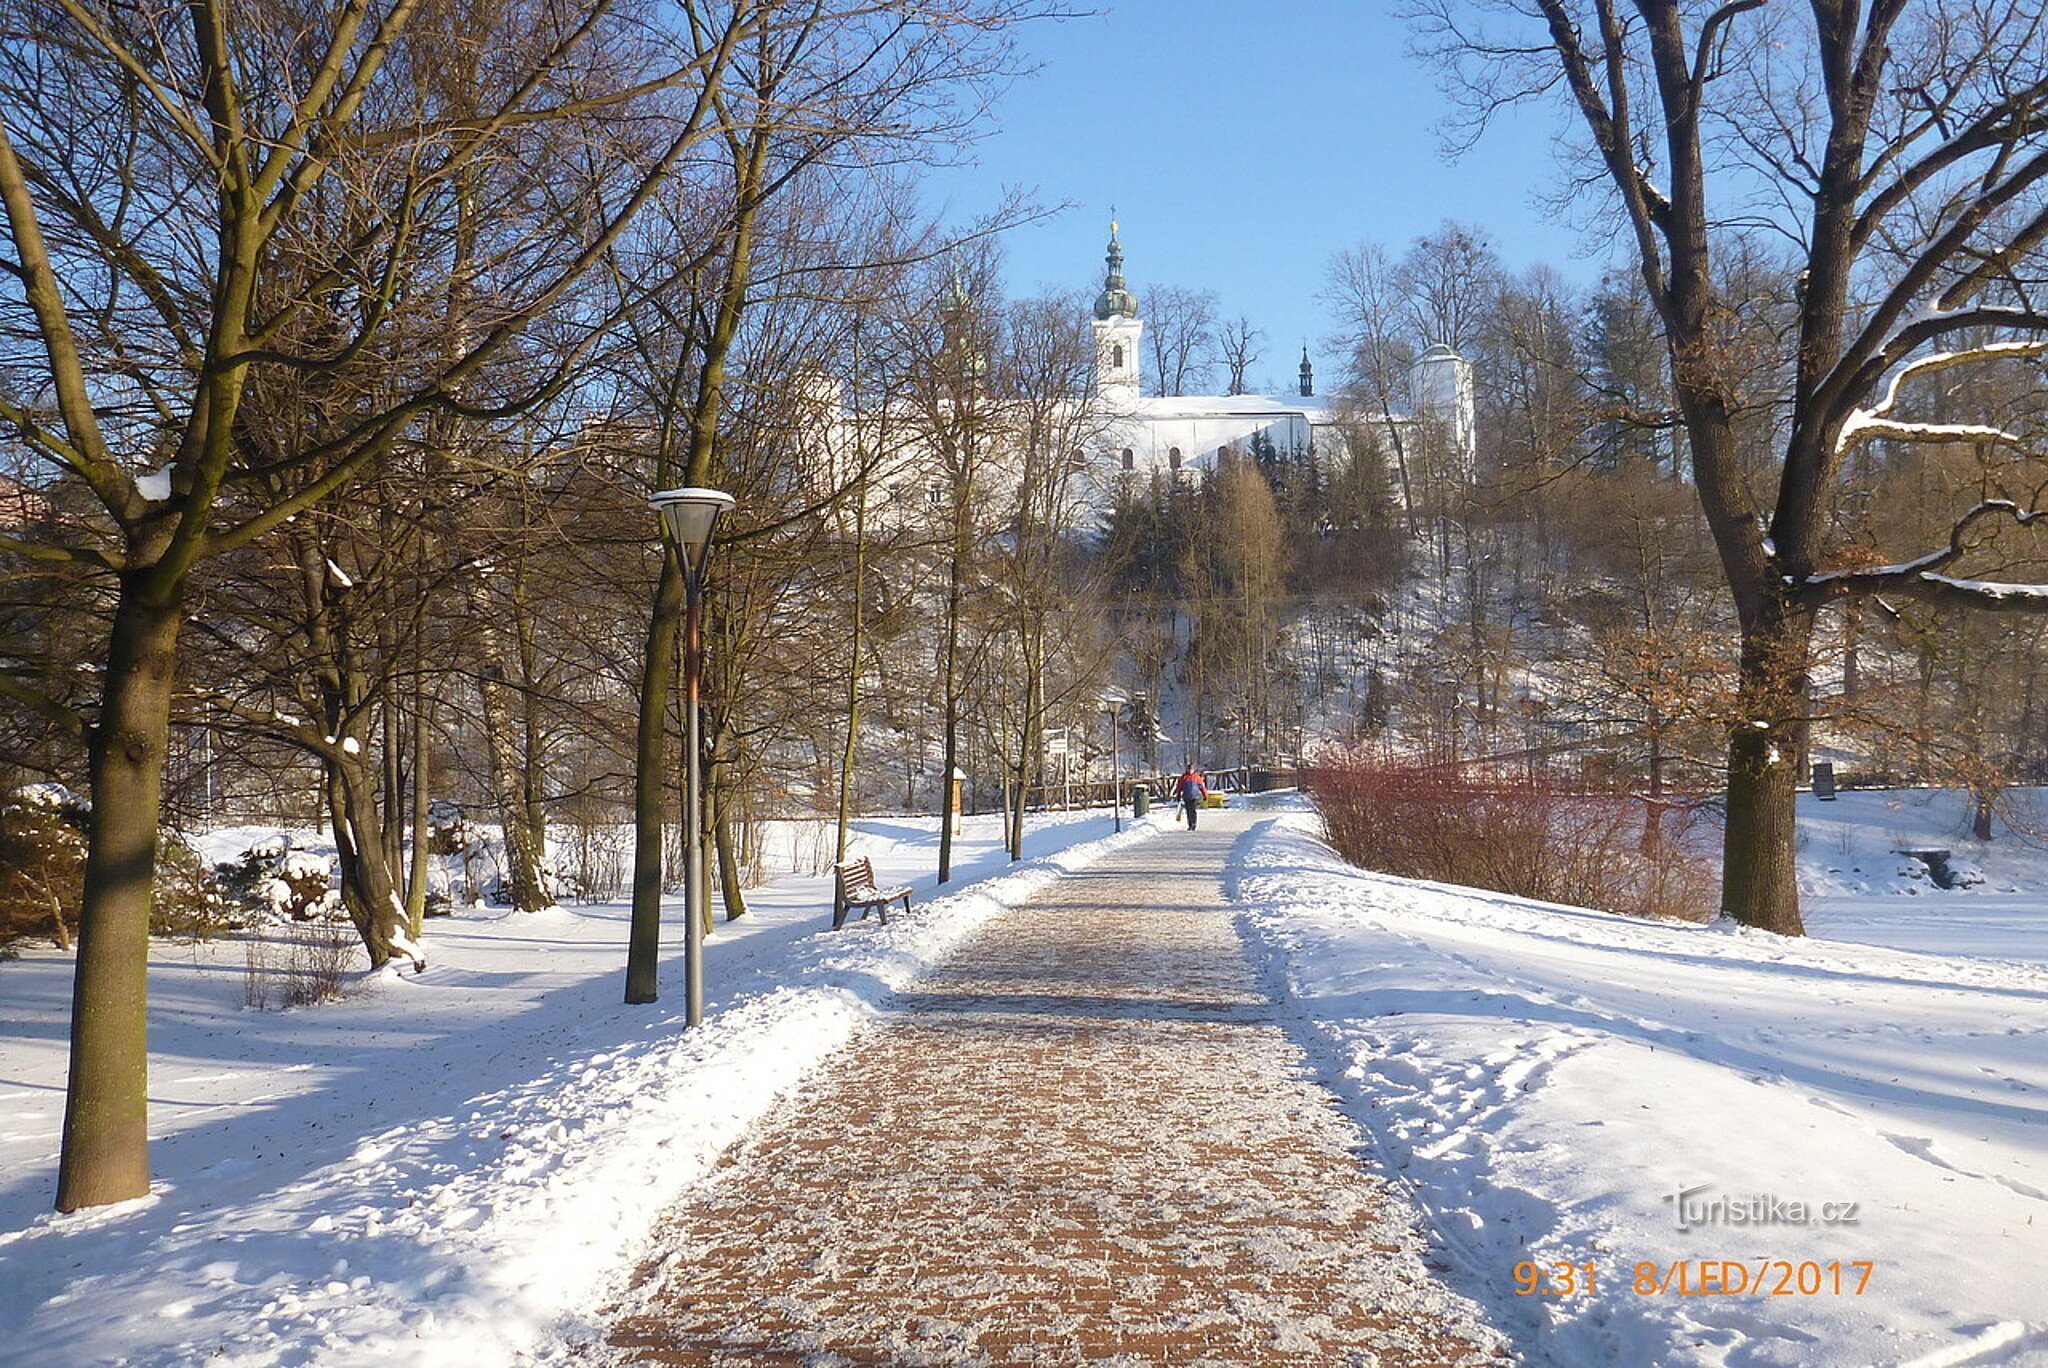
{"x": 1116, "y": 302}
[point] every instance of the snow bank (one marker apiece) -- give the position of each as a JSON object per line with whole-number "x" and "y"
{"x": 1547, "y": 1080}
{"x": 455, "y": 1167}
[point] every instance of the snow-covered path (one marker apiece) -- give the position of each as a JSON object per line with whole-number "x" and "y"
{"x": 1082, "y": 1137}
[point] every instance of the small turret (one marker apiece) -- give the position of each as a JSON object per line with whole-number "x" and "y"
{"x": 1308, "y": 374}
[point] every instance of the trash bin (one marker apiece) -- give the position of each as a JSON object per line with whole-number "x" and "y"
{"x": 1141, "y": 801}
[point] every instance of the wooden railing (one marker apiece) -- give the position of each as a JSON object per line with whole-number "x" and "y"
{"x": 1099, "y": 792}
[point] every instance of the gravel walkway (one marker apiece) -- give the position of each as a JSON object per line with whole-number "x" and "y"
{"x": 1084, "y": 1140}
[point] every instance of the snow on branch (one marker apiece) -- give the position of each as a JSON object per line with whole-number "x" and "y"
{"x": 2035, "y": 596}
{"x": 1862, "y": 427}
{"x": 1865, "y": 424}
{"x": 1922, "y": 576}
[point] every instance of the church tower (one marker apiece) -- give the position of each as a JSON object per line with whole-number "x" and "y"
{"x": 1117, "y": 331}
{"x": 1440, "y": 388}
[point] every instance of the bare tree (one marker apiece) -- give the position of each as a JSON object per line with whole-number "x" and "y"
{"x": 1907, "y": 148}
{"x": 1534, "y": 397}
{"x": 1364, "y": 293}
{"x": 326, "y": 182}
{"x": 1180, "y": 327}
{"x": 1237, "y": 347}
{"x": 1446, "y": 281}
{"x": 859, "y": 84}
{"x": 1043, "y": 371}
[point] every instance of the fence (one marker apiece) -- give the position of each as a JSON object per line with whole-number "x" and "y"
{"x": 1101, "y": 792}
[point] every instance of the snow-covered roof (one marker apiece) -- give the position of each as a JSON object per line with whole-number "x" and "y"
{"x": 1316, "y": 408}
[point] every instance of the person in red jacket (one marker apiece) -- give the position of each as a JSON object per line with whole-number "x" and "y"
{"x": 1191, "y": 790}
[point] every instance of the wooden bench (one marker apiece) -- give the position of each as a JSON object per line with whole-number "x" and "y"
{"x": 854, "y": 886}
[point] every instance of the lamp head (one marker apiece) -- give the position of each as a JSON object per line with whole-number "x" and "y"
{"x": 691, "y": 516}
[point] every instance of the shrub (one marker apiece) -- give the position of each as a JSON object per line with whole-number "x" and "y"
{"x": 1522, "y": 835}
{"x": 273, "y": 880}
{"x": 42, "y": 862}
{"x": 43, "y": 833}
{"x": 190, "y": 902}
{"x": 299, "y": 964}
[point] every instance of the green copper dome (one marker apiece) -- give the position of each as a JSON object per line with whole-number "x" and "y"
{"x": 1115, "y": 301}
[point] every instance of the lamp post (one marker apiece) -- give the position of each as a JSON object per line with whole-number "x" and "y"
{"x": 1111, "y": 703}
{"x": 690, "y": 517}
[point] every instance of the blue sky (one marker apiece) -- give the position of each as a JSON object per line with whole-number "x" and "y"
{"x": 1242, "y": 145}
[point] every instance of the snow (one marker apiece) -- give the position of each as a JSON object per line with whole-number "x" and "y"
{"x": 156, "y": 485}
{"x": 47, "y": 797}
{"x": 1876, "y": 421}
{"x": 1548, "y": 1080}
{"x": 463, "y": 1165}
{"x": 451, "y": 1166}
{"x": 1855, "y": 886}
{"x": 1989, "y": 588}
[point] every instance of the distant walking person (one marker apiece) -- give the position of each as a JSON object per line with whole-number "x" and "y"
{"x": 1191, "y": 791}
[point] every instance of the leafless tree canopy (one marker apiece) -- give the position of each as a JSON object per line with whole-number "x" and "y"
{"x": 1884, "y": 163}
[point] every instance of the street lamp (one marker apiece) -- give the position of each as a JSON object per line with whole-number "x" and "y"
{"x": 1111, "y": 703}
{"x": 691, "y": 517}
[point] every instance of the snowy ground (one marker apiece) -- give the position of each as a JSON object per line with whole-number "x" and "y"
{"x": 455, "y": 1168}
{"x": 1547, "y": 1079}
{"x": 447, "y": 1168}
{"x": 1855, "y": 886}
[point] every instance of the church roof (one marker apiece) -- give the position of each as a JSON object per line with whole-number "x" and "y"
{"x": 1316, "y": 408}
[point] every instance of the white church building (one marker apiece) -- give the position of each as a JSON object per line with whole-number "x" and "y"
{"x": 1166, "y": 433}
{"x": 1131, "y": 436}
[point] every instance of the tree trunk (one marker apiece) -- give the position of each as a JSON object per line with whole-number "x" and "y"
{"x": 525, "y": 884}
{"x": 533, "y": 773}
{"x": 422, "y": 825}
{"x": 368, "y": 888}
{"x": 657, "y": 682}
{"x": 1031, "y": 745}
{"x": 1759, "y": 876}
{"x": 954, "y": 602}
{"x": 718, "y": 784}
{"x": 849, "y": 755}
{"x": 106, "y": 1121}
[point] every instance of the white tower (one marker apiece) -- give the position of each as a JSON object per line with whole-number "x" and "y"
{"x": 1117, "y": 331}
{"x": 1440, "y": 388}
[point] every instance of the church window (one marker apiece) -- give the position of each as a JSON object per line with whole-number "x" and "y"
{"x": 935, "y": 495}
{"x": 1116, "y": 357}
{"x": 1173, "y": 458}
{"x": 1130, "y": 459}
